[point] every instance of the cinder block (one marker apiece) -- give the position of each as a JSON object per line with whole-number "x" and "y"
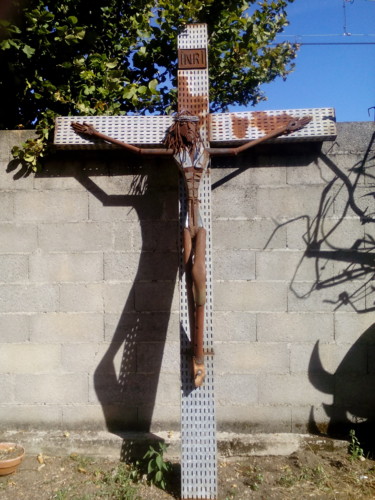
{"x": 156, "y": 296}
{"x": 156, "y": 357}
{"x": 63, "y": 173}
{"x": 346, "y": 358}
{"x": 155, "y": 266}
{"x": 250, "y": 296}
{"x": 7, "y": 388}
{"x": 234, "y": 202}
{"x": 118, "y": 297}
{"x": 286, "y": 265}
{"x": 253, "y": 418}
{"x": 251, "y": 357}
{"x": 6, "y": 207}
{"x": 66, "y": 327}
{"x": 290, "y": 201}
{"x": 10, "y": 138}
{"x": 75, "y": 237}
{"x": 14, "y": 268}
{"x": 160, "y": 417}
{"x": 110, "y": 183}
{"x": 291, "y": 389}
{"x": 350, "y": 164}
{"x": 95, "y": 417}
{"x": 28, "y": 298}
{"x": 136, "y": 389}
{"x": 141, "y": 266}
{"x": 269, "y": 159}
{"x": 29, "y": 358}
{"x": 255, "y": 234}
{"x": 234, "y": 326}
{"x": 294, "y": 327}
{"x": 81, "y": 297}
{"x": 168, "y": 389}
{"x": 127, "y": 236}
{"x": 355, "y": 394}
{"x": 25, "y": 417}
{"x": 143, "y": 326}
{"x": 298, "y": 232}
{"x": 343, "y": 234}
{"x": 313, "y": 170}
{"x": 121, "y": 266}
{"x": 100, "y": 212}
{"x": 155, "y": 236}
{"x": 362, "y": 197}
{"x": 46, "y": 206}
{"x": 234, "y": 264}
{"x": 142, "y": 206}
{"x": 18, "y": 238}
{"x": 352, "y": 327}
{"x": 306, "y": 417}
{"x": 229, "y": 172}
{"x": 345, "y": 296}
{"x": 14, "y": 327}
{"x": 86, "y": 358}
{"x": 351, "y": 137}
{"x": 272, "y": 174}
{"x": 236, "y": 389}
{"x": 52, "y": 268}
{"x": 51, "y": 388}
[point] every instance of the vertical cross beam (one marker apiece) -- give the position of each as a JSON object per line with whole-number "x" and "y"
{"x": 198, "y": 425}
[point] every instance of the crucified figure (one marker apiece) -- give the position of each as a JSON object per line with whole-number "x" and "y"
{"x": 182, "y": 141}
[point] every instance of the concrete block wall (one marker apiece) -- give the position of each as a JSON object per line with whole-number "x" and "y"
{"x": 89, "y": 314}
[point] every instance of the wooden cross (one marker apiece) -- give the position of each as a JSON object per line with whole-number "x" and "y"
{"x": 219, "y": 134}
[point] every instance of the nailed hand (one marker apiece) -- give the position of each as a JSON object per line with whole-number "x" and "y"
{"x": 297, "y": 124}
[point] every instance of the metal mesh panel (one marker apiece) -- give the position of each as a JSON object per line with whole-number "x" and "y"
{"x": 145, "y": 130}
{"x": 198, "y": 426}
{"x": 227, "y": 128}
{"x": 193, "y": 36}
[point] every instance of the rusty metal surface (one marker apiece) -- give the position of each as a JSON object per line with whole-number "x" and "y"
{"x": 229, "y": 128}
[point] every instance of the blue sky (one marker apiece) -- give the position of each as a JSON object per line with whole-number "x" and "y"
{"x": 338, "y": 76}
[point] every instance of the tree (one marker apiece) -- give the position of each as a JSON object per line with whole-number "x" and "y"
{"x": 85, "y": 57}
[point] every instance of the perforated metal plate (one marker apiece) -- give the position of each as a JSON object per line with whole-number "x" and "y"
{"x": 141, "y": 130}
{"x": 198, "y": 425}
{"x": 229, "y": 128}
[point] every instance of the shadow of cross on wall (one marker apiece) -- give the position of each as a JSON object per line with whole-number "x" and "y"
{"x": 140, "y": 269}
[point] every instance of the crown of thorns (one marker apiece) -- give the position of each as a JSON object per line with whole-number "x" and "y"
{"x": 185, "y": 116}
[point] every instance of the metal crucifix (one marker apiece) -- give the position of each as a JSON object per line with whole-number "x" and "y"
{"x": 185, "y": 141}
{"x": 192, "y": 136}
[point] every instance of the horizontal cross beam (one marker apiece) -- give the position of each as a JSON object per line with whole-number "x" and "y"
{"x": 224, "y": 128}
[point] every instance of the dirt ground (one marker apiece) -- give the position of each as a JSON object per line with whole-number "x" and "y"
{"x": 305, "y": 474}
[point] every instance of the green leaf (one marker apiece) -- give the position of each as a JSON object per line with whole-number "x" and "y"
{"x": 151, "y": 466}
{"x": 29, "y": 51}
{"x": 159, "y": 462}
{"x": 111, "y": 64}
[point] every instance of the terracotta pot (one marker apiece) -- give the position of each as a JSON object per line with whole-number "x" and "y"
{"x": 15, "y": 452}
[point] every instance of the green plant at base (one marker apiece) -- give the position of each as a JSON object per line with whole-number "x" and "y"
{"x": 354, "y": 448}
{"x": 119, "y": 483}
{"x": 158, "y": 469}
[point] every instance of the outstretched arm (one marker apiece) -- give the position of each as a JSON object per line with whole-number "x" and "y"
{"x": 288, "y": 128}
{"x": 88, "y": 130}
